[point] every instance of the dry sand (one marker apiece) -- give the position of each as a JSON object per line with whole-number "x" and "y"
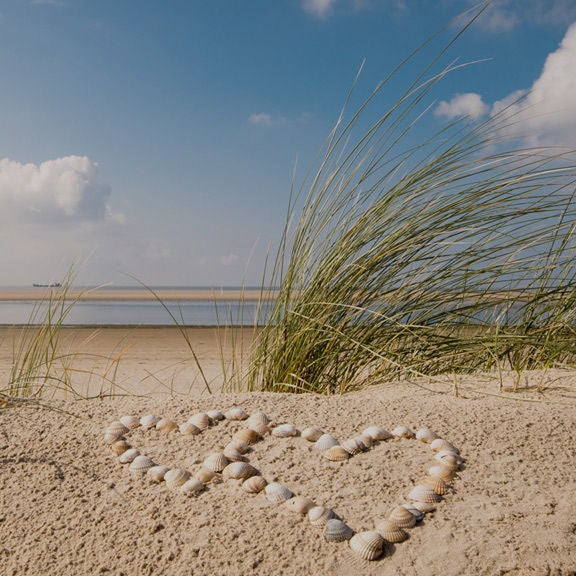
{"x": 68, "y": 507}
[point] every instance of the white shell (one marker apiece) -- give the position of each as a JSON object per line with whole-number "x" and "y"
{"x": 418, "y": 514}
{"x": 300, "y": 505}
{"x": 426, "y": 435}
{"x": 236, "y": 414}
{"x": 449, "y": 460}
{"x": 258, "y": 418}
{"x": 337, "y": 531}
{"x": 422, "y": 493}
{"x": 437, "y": 484}
{"x": 140, "y": 465}
{"x": 402, "y": 517}
{"x": 176, "y": 477}
{"x": 353, "y": 446}
{"x": 149, "y": 420}
{"x": 312, "y": 434}
{"x": 390, "y": 531}
{"x": 202, "y": 420}
{"x": 131, "y": 422}
{"x": 319, "y": 515}
{"x": 368, "y": 545}
{"x": 254, "y": 484}
{"x": 215, "y": 415}
{"x": 377, "y": 433}
{"x": 424, "y": 507}
{"x": 205, "y": 475}
{"x": 128, "y": 456}
{"x": 157, "y": 473}
{"x": 402, "y": 432}
{"x": 442, "y": 472}
{"x": 119, "y": 447}
{"x": 189, "y": 429}
{"x": 114, "y": 431}
{"x": 239, "y": 471}
{"x": 285, "y": 431}
{"x": 277, "y": 493}
{"x": 440, "y": 444}
{"x": 239, "y": 445}
{"x": 234, "y": 455}
{"x": 262, "y": 429}
{"x": 325, "y": 441}
{"x": 336, "y": 454}
{"x": 166, "y": 426}
{"x": 216, "y": 462}
{"x": 192, "y": 487}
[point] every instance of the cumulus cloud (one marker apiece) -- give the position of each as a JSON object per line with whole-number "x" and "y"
{"x": 470, "y": 105}
{"x": 62, "y": 190}
{"x": 319, "y": 8}
{"x": 261, "y": 119}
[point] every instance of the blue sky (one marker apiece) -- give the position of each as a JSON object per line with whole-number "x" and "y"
{"x": 158, "y": 139}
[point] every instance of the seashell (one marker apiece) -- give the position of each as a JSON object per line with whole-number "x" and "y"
{"x": 205, "y": 475}
{"x": 236, "y": 414}
{"x": 157, "y": 473}
{"x": 166, "y": 426}
{"x": 131, "y": 422}
{"x": 247, "y": 435}
{"x": 176, "y": 477}
{"x": 422, "y": 493}
{"x": 239, "y": 445}
{"x": 300, "y": 505}
{"x": 277, "y": 493}
{"x": 114, "y": 432}
{"x": 437, "y": 484}
{"x": 189, "y": 429}
{"x": 439, "y": 444}
{"x": 377, "y": 433}
{"x": 390, "y": 531}
{"x": 149, "y": 420}
{"x": 449, "y": 460}
{"x": 418, "y": 514}
{"x": 216, "y": 462}
{"x": 258, "y": 418}
{"x": 353, "y": 446}
{"x": 285, "y": 431}
{"x": 192, "y": 487}
{"x": 202, "y": 420}
{"x": 239, "y": 471}
{"x": 140, "y": 465}
{"x": 119, "y": 447}
{"x": 318, "y": 515}
{"x": 128, "y": 456}
{"x": 336, "y": 454}
{"x": 402, "y": 517}
{"x": 368, "y": 545}
{"x": 325, "y": 441}
{"x": 426, "y": 435}
{"x": 368, "y": 441}
{"x": 234, "y": 455}
{"x": 254, "y": 484}
{"x": 262, "y": 429}
{"x": 337, "y": 531}
{"x": 424, "y": 507}
{"x": 312, "y": 434}
{"x": 442, "y": 472}
{"x": 215, "y": 415}
{"x": 402, "y": 432}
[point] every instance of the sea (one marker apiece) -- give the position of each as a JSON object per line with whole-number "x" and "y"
{"x": 142, "y": 313}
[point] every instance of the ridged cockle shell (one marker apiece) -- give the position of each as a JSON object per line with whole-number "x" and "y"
{"x": 377, "y": 433}
{"x": 368, "y": 545}
{"x": 205, "y": 475}
{"x": 436, "y": 483}
{"x": 201, "y": 419}
{"x": 149, "y": 420}
{"x": 258, "y": 418}
{"x": 176, "y": 477}
{"x": 140, "y": 466}
{"x": 440, "y": 444}
{"x": 442, "y": 472}
{"x": 390, "y": 531}
{"x": 422, "y": 493}
{"x": 157, "y": 473}
{"x": 325, "y": 441}
{"x": 236, "y": 414}
{"x": 337, "y": 531}
{"x": 189, "y": 429}
{"x": 115, "y": 431}
{"x": 418, "y": 514}
{"x": 216, "y": 462}
{"x": 402, "y": 432}
{"x": 353, "y": 446}
{"x": 402, "y": 517}
{"x": 239, "y": 471}
{"x": 247, "y": 435}
{"x": 311, "y": 434}
{"x": 336, "y": 454}
{"x": 285, "y": 431}
{"x": 131, "y": 422}
{"x": 319, "y": 515}
{"x": 119, "y": 447}
{"x": 277, "y": 493}
{"x": 254, "y": 484}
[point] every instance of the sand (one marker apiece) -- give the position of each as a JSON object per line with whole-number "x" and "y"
{"x": 68, "y": 507}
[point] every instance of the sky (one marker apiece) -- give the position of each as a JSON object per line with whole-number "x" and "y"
{"x": 160, "y": 140}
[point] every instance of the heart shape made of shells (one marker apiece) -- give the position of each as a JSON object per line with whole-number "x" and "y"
{"x": 233, "y": 464}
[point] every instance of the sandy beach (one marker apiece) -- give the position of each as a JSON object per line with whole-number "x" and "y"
{"x": 67, "y": 506}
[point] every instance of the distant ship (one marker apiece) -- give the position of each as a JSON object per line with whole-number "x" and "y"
{"x": 52, "y": 285}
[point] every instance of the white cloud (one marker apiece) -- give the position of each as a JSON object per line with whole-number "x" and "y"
{"x": 261, "y": 119}
{"x": 319, "y": 8}
{"x": 470, "y": 105}
{"x": 62, "y": 190}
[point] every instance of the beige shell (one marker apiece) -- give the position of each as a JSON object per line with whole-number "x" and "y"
{"x": 402, "y": 432}
{"x": 325, "y": 441}
{"x": 157, "y": 473}
{"x": 216, "y": 462}
{"x": 442, "y": 472}
{"x": 424, "y": 507}
{"x": 368, "y": 545}
{"x": 262, "y": 429}
{"x": 277, "y": 493}
{"x": 258, "y": 418}
{"x": 149, "y": 420}
{"x": 312, "y": 434}
{"x": 336, "y": 454}
{"x": 236, "y": 414}
{"x": 239, "y": 471}
{"x": 202, "y": 420}
{"x": 189, "y": 429}
{"x": 119, "y": 447}
{"x": 377, "y": 433}
{"x": 254, "y": 484}
{"x": 353, "y": 446}
{"x": 114, "y": 431}
{"x": 176, "y": 477}
{"x": 239, "y": 445}
{"x": 437, "y": 484}
{"x": 440, "y": 444}
{"x": 247, "y": 435}
{"x": 131, "y": 422}
{"x": 368, "y": 441}
{"x": 390, "y": 531}
{"x": 234, "y": 455}
{"x": 319, "y": 515}
{"x": 337, "y": 531}
{"x": 205, "y": 475}
{"x": 426, "y": 435}
{"x": 215, "y": 415}
{"x": 128, "y": 456}
{"x": 285, "y": 431}
{"x": 140, "y": 465}
{"x": 449, "y": 460}
{"x": 166, "y": 426}
{"x": 192, "y": 487}
{"x": 402, "y": 517}
{"x": 422, "y": 493}
{"x": 418, "y": 514}
{"x": 300, "y": 505}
